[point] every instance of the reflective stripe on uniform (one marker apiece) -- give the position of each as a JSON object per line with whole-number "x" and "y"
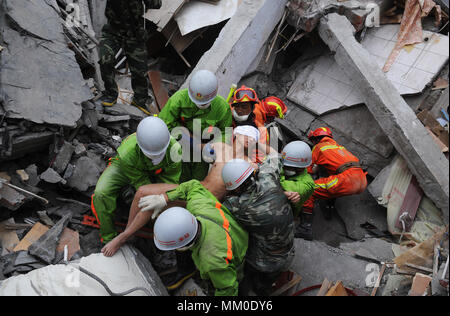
{"x": 327, "y": 185}
{"x": 226, "y": 226}
{"x": 331, "y": 147}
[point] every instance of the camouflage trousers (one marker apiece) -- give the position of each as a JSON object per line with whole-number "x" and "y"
{"x": 135, "y": 50}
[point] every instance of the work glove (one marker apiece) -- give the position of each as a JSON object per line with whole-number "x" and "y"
{"x": 153, "y": 202}
{"x": 208, "y": 153}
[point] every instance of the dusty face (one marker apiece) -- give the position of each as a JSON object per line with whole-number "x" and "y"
{"x": 244, "y": 108}
{"x": 244, "y": 144}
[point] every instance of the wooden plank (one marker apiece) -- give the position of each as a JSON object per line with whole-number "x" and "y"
{"x": 160, "y": 92}
{"x": 295, "y": 280}
{"x": 326, "y": 284}
{"x": 8, "y": 238}
{"x": 161, "y": 17}
{"x": 410, "y": 205}
{"x": 443, "y": 147}
{"x": 33, "y": 235}
{"x": 337, "y": 290}
{"x": 70, "y": 238}
{"x": 377, "y": 285}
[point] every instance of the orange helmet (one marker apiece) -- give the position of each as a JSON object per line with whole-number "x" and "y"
{"x": 321, "y": 131}
{"x": 274, "y": 107}
{"x": 245, "y": 94}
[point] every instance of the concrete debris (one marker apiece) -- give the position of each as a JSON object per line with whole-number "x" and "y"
{"x": 51, "y": 176}
{"x": 411, "y": 140}
{"x": 127, "y": 270}
{"x": 33, "y": 235}
{"x": 63, "y": 157}
{"x": 45, "y": 247}
{"x": 8, "y": 238}
{"x": 40, "y": 53}
{"x": 372, "y": 249}
{"x": 82, "y": 180}
{"x": 10, "y": 198}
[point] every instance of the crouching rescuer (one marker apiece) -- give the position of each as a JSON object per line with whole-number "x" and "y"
{"x": 297, "y": 182}
{"x": 206, "y": 228}
{"x": 143, "y": 158}
{"x": 346, "y": 176}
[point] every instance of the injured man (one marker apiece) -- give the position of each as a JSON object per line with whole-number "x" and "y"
{"x": 150, "y": 200}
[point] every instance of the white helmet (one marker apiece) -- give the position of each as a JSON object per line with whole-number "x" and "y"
{"x": 297, "y": 154}
{"x": 175, "y": 228}
{"x": 235, "y": 172}
{"x": 203, "y": 87}
{"x": 153, "y": 136}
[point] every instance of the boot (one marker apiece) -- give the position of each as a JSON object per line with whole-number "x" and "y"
{"x": 185, "y": 270}
{"x": 304, "y": 229}
{"x": 328, "y": 209}
{"x": 107, "y": 100}
{"x": 141, "y": 105}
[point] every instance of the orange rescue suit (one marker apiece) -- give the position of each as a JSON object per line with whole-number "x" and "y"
{"x": 331, "y": 156}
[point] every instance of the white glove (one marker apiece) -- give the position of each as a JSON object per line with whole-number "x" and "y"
{"x": 208, "y": 153}
{"x": 153, "y": 202}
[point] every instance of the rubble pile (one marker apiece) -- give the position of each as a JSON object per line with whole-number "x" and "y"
{"x": 386, "y": 102}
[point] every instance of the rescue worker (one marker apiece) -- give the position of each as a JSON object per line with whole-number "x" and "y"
{"x": 142, "y": 158}
{"x": 126, "y": 29}
{"x": 269, "y": 109}
{"x": 197, "y": 108}
{"x": 247, "y": 112}
{"x": 295, "y": 180}
{"x": 257, "y": 201}
{"x": 346, "y": 176}
{"x": 218, "y": 243}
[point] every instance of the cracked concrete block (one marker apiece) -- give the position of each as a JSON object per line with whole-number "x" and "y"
{"x": 41, "y": 79}
{"x": 45, "y": 247}
{"x": 408, "y": 135}
{"x": 32, "y": 172}
{"x": 63, "y": 157}
{"x": 85, "y": 175}
{"x": 51, "y": 176}
{"x": 371, "y": 248}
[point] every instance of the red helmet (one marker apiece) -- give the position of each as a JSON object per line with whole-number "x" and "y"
{"x": 274, "y": 107}
{"x": 321, "y": 131}
{"x": 245, "y": 94}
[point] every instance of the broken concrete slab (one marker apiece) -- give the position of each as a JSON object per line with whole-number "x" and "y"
{"x": 242, "y": 37}
{"x": 395, "y": 117}
{"x": 8, "y": 238}
{"x": 397, "y": 285}
{"x": 45, "y": 247}
{"x": 10, "y": 198}
{"x": 85, "y": 175}
{"x": 357, "y": 210}
{"x": 41, "y": 52}
{"x": 126, "y": 270}
{"x": 323, "y": 86}
{"x": 63, "y": 157}
{"x": 374, "y": 249}
{"x": 315, "y": 261}
{"x": 51, "y": 176}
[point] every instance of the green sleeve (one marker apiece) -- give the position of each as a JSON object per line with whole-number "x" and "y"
{"x": 224, "y": 281}
{"x": 182, "y": 191}
{"x": 171, "y": 112}
{"x": 303, "y": 185}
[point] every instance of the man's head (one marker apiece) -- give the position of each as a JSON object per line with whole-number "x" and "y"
{"x": 175, "y": 229}
{"x": 237, "y": 175}
{"x": 153, "y": 138}
{"x": 316, "y": 136}
{"x": 203, "y": 88}
{"x": 245, "y": 137}
{"x": 243, "y": 103}
{"x": 297, "y": 156}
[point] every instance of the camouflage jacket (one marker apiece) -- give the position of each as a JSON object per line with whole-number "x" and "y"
{"x": 127, "y": 16}
{"x": 265, "y": 212}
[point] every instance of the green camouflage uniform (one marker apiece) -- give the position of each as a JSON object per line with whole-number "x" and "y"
{"x": 125, "y": 29}
{"x": 265, "y": 212}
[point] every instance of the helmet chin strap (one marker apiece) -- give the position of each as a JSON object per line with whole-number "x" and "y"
{"x": 240, "y": 118}
{"x": 204, "y": 106}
